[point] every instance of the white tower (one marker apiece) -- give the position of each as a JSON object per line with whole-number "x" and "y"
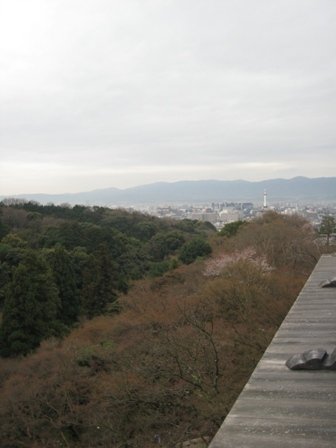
{"x": 265, "y": 199}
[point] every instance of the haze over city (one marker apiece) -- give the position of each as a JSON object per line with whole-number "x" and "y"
{"x": 103, "y": 93}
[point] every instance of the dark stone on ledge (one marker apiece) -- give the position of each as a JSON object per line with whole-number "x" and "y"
{"x": 329, "y": 283}
{"x": 329, "y": 362}
{"x": 309, "y": 360}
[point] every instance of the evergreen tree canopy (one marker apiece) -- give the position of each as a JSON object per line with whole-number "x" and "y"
{"x": 30, "y": 308}
{"x": 328, "y": 226}
{"x": 197, "y": 247}
{"x": 99, "y": 282}
{"x": 62, "y": 266}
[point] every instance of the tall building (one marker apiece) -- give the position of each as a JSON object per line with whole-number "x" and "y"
{"x": 265, "y": 199}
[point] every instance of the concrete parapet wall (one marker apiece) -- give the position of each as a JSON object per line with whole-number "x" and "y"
{"x": 281, "y": 408}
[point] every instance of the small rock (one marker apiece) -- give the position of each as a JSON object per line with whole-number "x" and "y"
{"x": 309, "y": 360}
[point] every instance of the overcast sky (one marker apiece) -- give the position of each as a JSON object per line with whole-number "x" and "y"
{"x": 102, "y": 93}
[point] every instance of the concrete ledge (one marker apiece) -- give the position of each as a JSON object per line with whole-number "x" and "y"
{"x": 279, "y": 407}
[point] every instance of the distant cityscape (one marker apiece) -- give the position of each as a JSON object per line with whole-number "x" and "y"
{"x": 217, "y": 213}
{"x": 221, "y": 213}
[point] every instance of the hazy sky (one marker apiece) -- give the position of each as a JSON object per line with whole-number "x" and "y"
{"x": 101, "y": 93}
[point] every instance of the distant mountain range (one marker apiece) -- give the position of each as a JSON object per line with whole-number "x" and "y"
{"x": 299, "y": 189}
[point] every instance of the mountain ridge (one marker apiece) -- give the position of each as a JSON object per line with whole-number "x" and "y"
{"x": 299, "y": 188}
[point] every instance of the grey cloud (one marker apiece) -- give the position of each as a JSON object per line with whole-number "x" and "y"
{"x": 168, "y": 83}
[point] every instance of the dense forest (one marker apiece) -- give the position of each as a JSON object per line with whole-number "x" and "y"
{"x": 60, "y": 264}
{"x": 120, "y": 330}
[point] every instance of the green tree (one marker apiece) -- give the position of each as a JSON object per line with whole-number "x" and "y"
{"x": 197, "y": 247}
{"x": 231, "y": 228}
{"x": 328, "y": 226}
{"x": 99, "y": 282}
{"x": 30, "y": 308}
{"x": 62, "y": 267}
{"x": 165, "y": 243}
{"x": 10, "y": 257}
{"x": 3, "y": 229}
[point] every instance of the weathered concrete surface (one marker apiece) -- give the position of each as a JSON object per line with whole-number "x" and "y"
{"x": 279, "y": 407}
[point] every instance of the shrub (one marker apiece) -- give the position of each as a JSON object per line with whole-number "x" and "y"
{"x": 193, "y": 249}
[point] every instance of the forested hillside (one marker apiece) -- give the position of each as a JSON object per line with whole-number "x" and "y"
{"x": 60, "y": 264}
{"x": 129, "y": 332}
